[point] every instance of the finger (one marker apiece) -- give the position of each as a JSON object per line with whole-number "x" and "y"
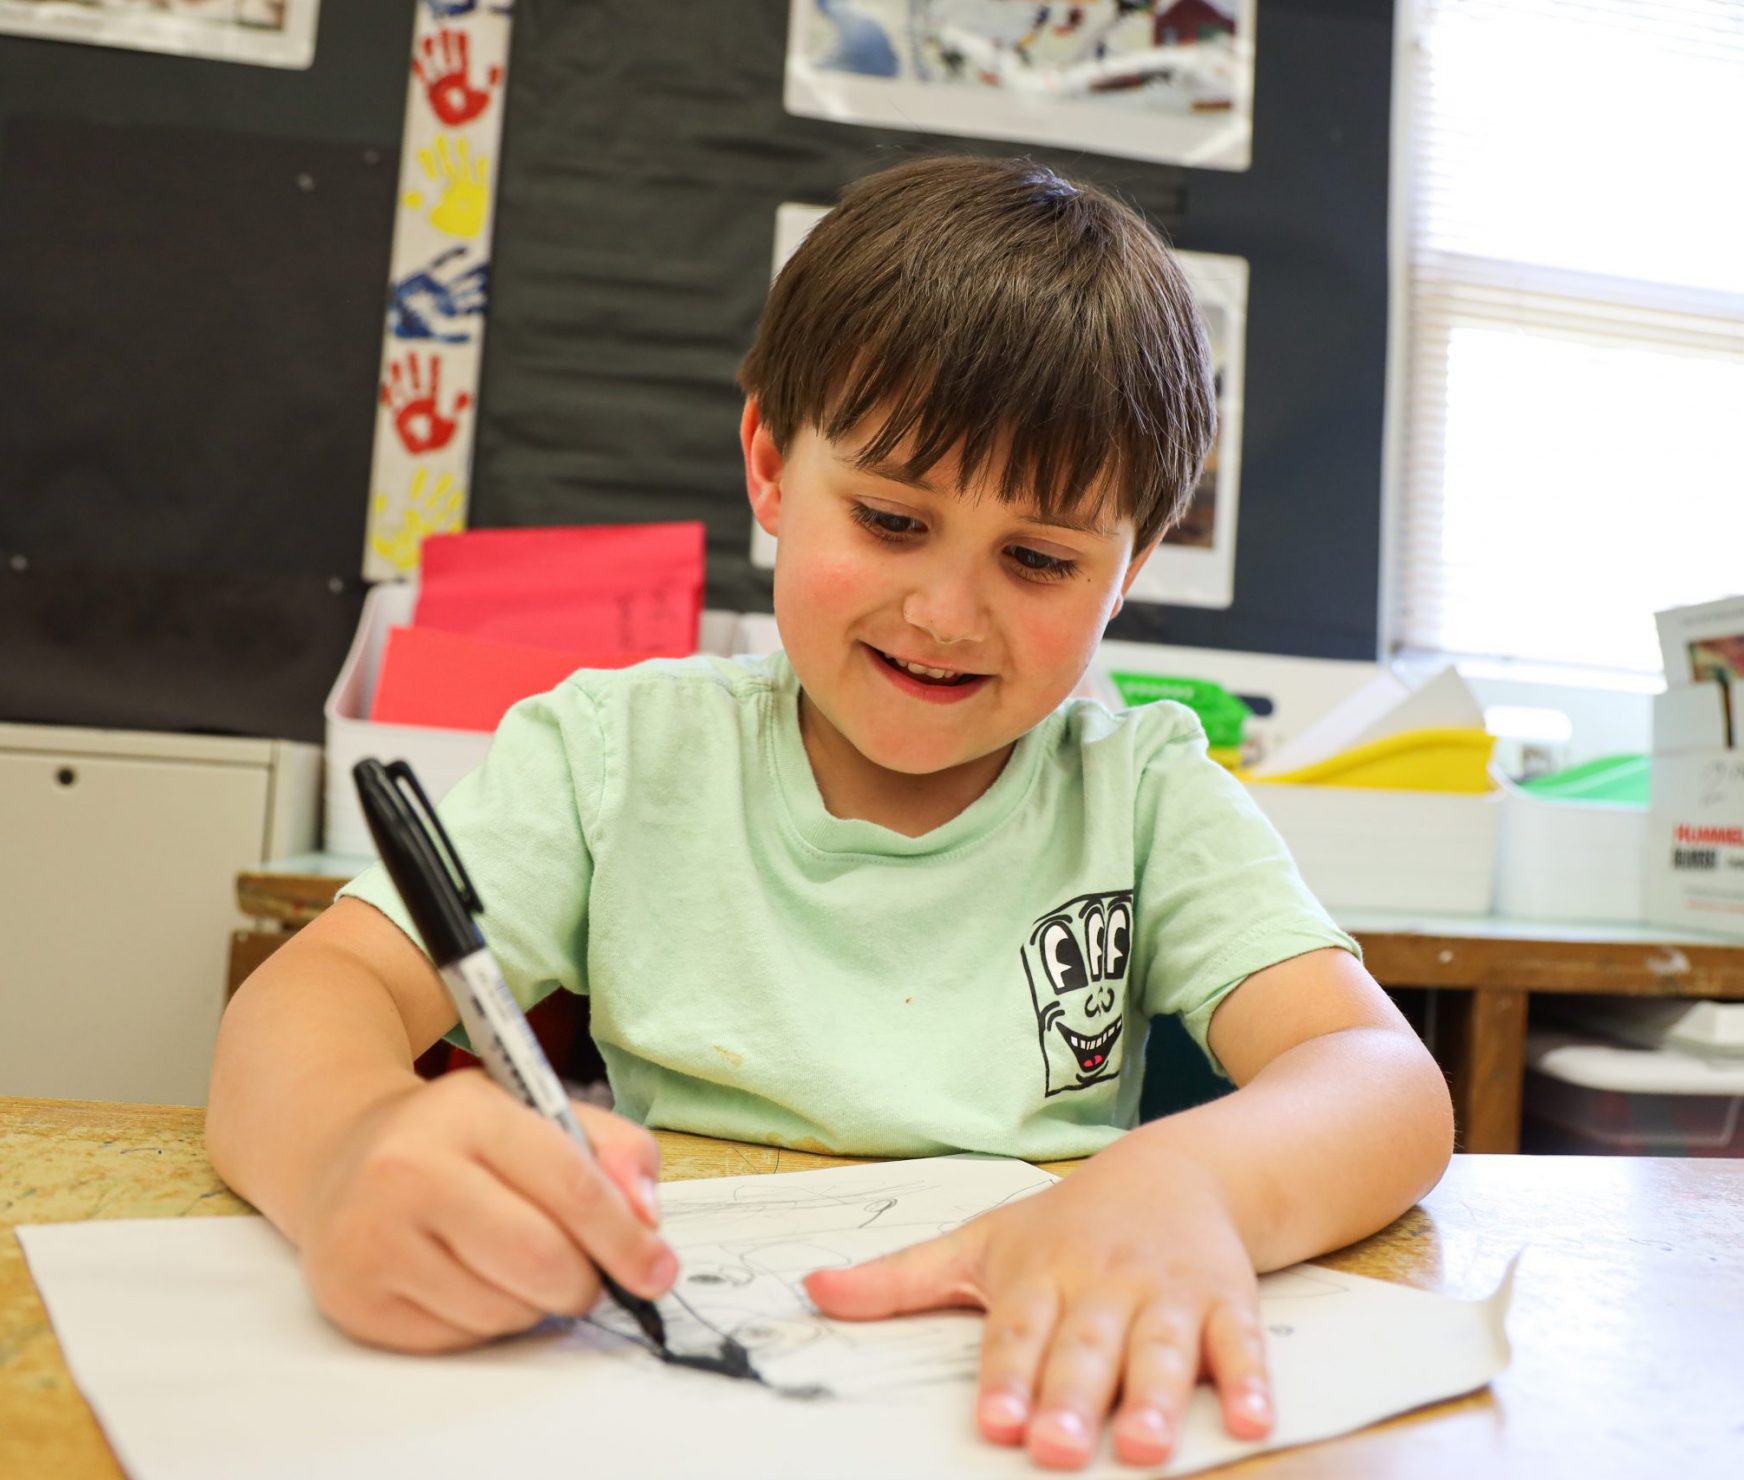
{"x": 400, "y": 1324}
{"x": 922, "y": 1277}
{"x": 627, "y": 1154}
{"x": 537, "y": 1159}
{"x": 1162, "y": 1365}
{"x": 368, "y": 1311}
{"x": 1079, "y": 1375}
{"x": 507, "y": 1242}
{"x": 1235, "y": 1353}
{"x": 437, "y": 1280}
{"x": 1018, "y": 1327}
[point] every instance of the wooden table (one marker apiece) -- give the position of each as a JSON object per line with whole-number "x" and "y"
{"x": 1627, "y": 1326}
{"x": 1486, "y": 969}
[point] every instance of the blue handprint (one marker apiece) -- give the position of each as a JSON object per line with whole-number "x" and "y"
{"x": 422, "y": 300}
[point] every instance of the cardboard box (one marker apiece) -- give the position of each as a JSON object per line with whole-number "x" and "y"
{"x": 1695, "y": 828}
{"x": 440, "y": 756}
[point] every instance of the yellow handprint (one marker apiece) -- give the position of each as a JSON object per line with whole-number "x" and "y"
{"x": 428, "y": 511}
{"x": 460, "y": 211}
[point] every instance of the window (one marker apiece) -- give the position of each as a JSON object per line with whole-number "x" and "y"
{"x": 1570, "y": 439}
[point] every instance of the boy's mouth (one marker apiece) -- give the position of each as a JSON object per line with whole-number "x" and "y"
{"x": 945, "y": 678}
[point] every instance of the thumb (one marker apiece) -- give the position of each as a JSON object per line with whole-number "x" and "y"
{"x": 922, "y": 1277}
{"x": 627, "y": 1154}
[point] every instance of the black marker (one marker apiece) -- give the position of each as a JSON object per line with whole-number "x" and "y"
{"x": 442, "y": 906}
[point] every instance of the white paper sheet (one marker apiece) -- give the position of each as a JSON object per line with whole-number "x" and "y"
{"x": 1382, "y": 707}
{"x": 195, "y": 1342}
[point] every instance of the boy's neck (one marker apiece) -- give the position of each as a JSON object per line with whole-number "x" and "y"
{"x": 853, "y": 787}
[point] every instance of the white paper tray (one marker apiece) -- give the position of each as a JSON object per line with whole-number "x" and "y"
{"x": 440, "y": 757}
{"x": 1367, "y": 848}
{"x": 1570, "y": 860}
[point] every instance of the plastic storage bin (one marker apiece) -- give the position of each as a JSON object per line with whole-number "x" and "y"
{"x": 1590, "y": 1095}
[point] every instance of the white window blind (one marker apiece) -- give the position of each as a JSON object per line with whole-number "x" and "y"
{"x": 1572, "y": 454}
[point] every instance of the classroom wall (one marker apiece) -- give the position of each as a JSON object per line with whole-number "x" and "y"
{"x": 193, "y": 333}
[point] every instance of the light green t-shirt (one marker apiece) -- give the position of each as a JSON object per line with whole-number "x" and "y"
{"x": 761, "y": 970}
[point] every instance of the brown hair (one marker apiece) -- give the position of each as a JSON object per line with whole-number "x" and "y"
{"x": 966, "y": 300}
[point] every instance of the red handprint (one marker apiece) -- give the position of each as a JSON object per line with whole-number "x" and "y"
{"x": 421, "y": 426}
{"x": 443, "y": 70}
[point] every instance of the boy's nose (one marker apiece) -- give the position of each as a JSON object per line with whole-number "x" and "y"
{"x": 946, "y": 613}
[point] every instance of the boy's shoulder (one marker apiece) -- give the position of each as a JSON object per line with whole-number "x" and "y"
{"x": 744, "y": 677}
{"x": 1146, "y": 728}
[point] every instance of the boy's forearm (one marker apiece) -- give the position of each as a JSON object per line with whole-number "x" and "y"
{"x": 1330, "y": 1142}
{"x": 309, "y": 1043}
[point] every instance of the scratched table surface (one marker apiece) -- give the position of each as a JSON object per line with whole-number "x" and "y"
{"x": 1627, "y": 1324}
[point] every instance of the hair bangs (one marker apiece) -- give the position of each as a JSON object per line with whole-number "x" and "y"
{"x": 1034, "y": 328}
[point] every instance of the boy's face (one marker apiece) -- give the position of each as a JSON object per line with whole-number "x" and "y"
{"x": 873, "y": 573}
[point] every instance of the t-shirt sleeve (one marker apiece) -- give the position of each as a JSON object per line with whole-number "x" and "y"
{"x": 1218, "y": 895}
{"x": 520, "y": 825}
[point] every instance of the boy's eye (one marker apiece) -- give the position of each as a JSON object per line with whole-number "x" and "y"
{"x": 883, "y": 523}
{"x": 898, "y": 527}
{"x": 1042, "y": 567}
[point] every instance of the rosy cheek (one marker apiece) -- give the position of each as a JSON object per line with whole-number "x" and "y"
{"x": 826, "y": 584}
{"x": 1061, "y": 636}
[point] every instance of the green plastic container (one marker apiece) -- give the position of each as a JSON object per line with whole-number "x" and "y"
{"x": 1610, "y": 778}
{"x": 1221, "y": 712}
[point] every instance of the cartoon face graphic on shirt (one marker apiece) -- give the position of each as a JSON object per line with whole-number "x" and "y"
{"x": 1075, "y": 960}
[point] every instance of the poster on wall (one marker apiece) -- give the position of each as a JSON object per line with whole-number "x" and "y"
{"x": 439, "y": 284}
{"x": 1164, "y": 80}
{"x": 266, "y": 33}
{"x": 1195, "y": 566}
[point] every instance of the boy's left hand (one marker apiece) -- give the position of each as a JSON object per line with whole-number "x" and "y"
{"x": 1129, "y": 1277}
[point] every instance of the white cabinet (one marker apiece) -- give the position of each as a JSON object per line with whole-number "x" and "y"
{"x": 118, "y": 859}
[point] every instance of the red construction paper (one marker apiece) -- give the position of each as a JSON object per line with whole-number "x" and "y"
{"x": 593, "y": 588}
{"x": 466, "y": 683}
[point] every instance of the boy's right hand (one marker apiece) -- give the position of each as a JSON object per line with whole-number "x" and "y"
{"x": 452, "y": 1213}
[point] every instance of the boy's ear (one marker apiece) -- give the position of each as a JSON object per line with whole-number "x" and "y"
{"x": 1137, "y": 564}
{"x": 764, "y": 465}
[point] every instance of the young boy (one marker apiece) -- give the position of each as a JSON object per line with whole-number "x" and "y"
{"x": 889, "y": 893}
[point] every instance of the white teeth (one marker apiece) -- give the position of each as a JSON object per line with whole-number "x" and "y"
{"x": 922, "y": 669}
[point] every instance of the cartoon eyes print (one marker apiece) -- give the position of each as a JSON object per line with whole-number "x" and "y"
{"x": 1107, "y": 940}
{"x": 1116, "y": 942}
{"x": 1062, "y": 959}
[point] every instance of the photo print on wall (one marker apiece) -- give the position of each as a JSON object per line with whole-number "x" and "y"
{"x": 1163, "y": 80}
{"x": 266, "y": 33}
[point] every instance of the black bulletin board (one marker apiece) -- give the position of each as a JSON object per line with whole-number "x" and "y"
{"x": 193, "y": 262}
{"x": 192, "y": 333}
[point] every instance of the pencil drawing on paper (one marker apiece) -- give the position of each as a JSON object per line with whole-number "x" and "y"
{"x": 741, "y": 1307}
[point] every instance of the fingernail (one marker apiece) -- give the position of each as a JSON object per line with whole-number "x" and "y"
{"x": 665, "y": 1271}
{"x": 1149, "y": 1425}
{"x": 1003, "y": 1410}
{"x": 1063, "y": 1427}
{"x": 650, "y": 1198}
{"x": 1256, "y": 1405}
